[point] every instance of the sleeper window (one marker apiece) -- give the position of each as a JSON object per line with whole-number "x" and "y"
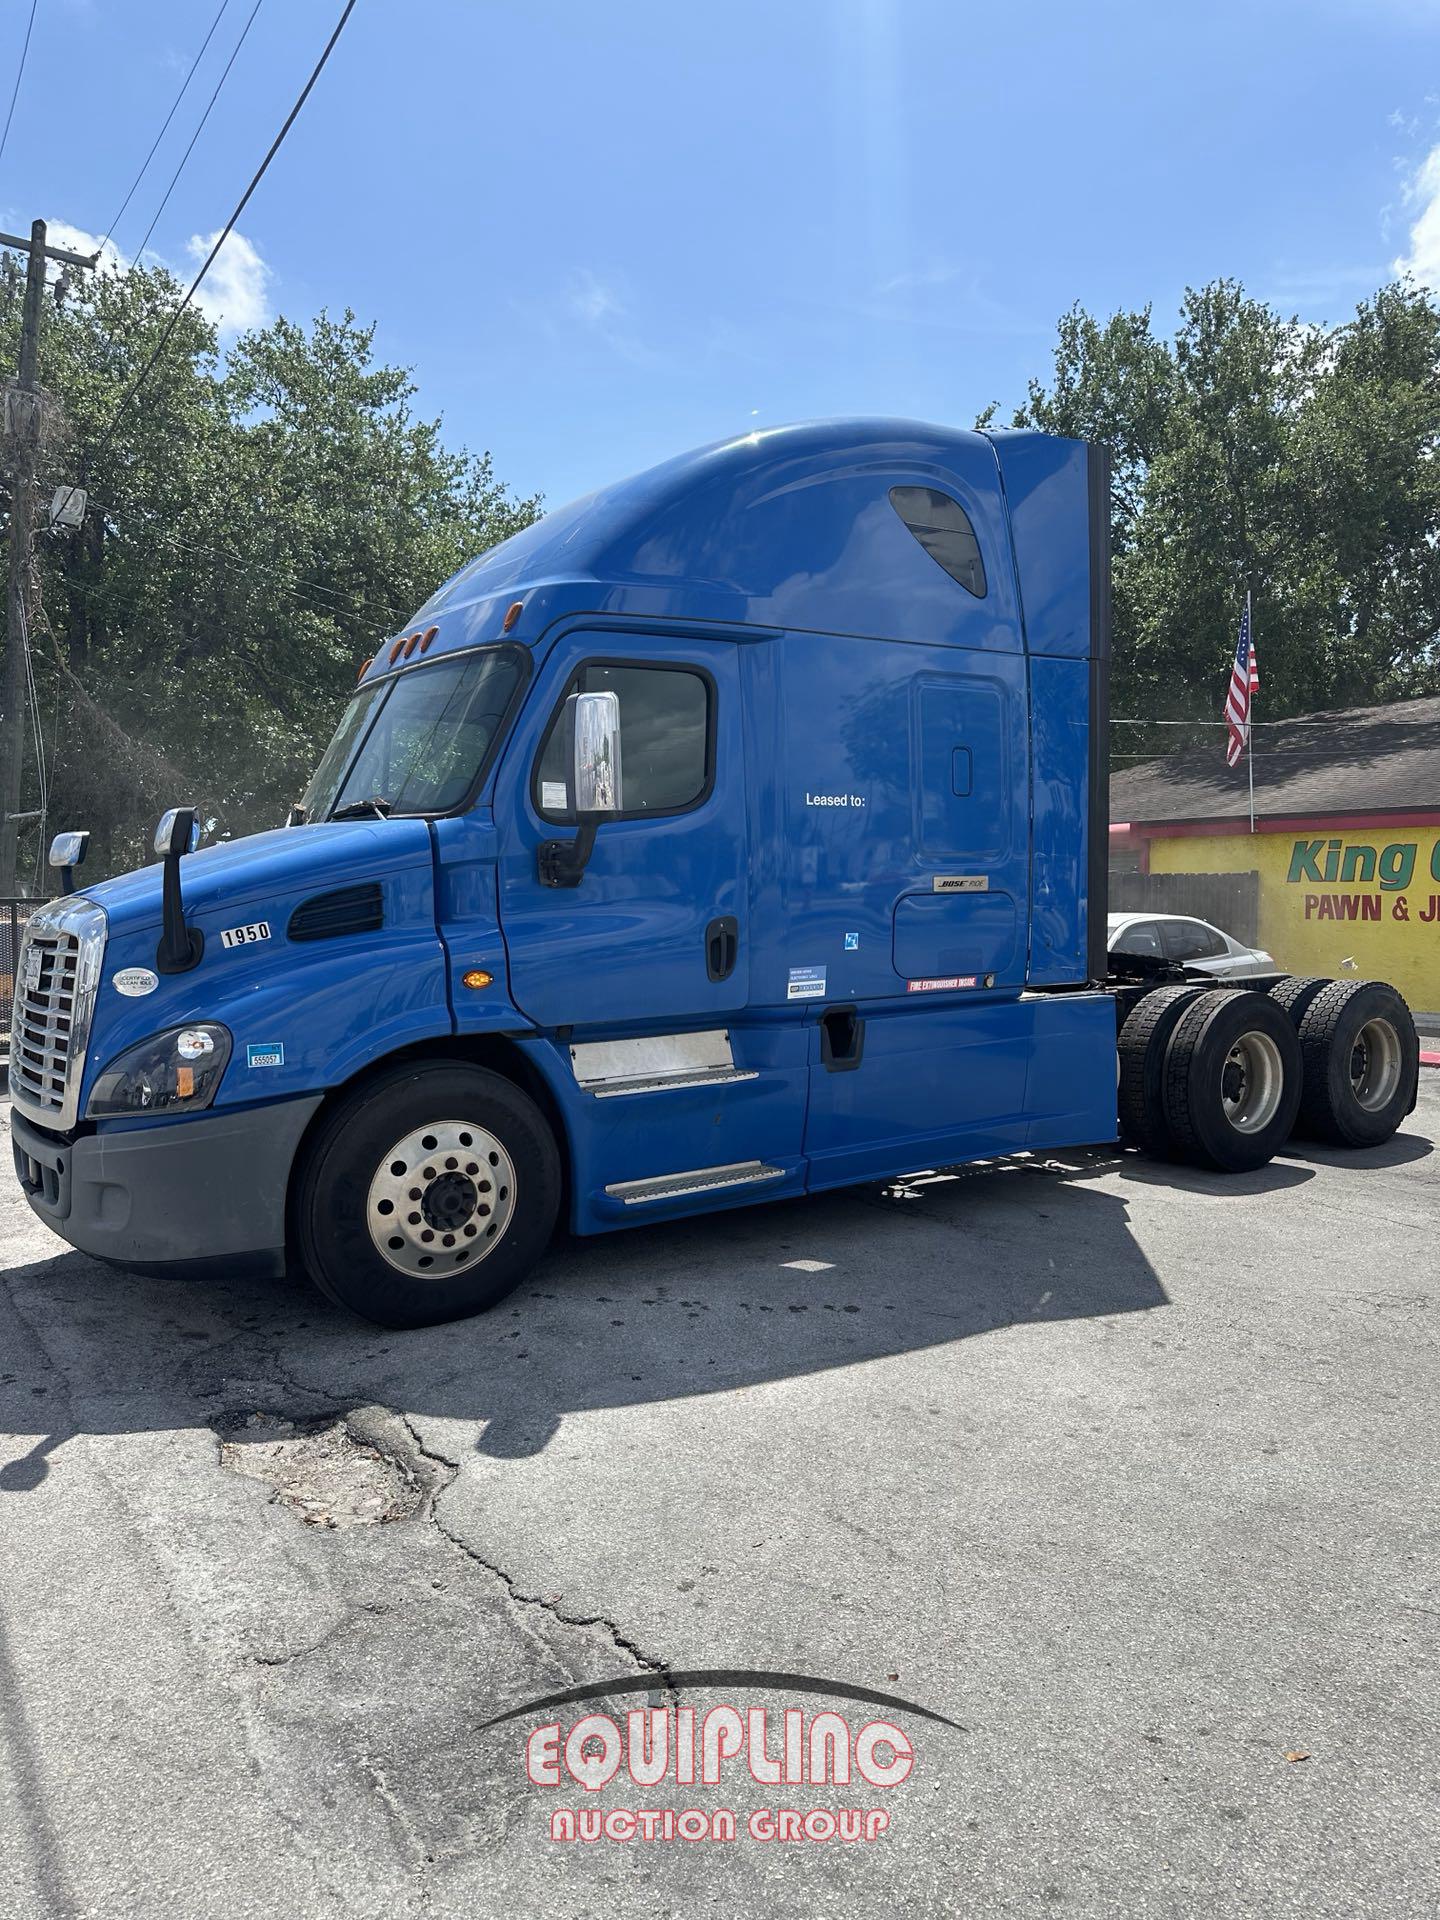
{"x": 943, "y": 528}
{"x": 664, "y": 739}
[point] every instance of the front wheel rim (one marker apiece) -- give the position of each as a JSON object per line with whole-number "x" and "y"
{"x": 441, "y": 1199}
{"x": 1252, "y": 1082}
{"x": 1375, "y": 1065}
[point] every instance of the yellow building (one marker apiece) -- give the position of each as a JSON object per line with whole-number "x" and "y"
{"x": 1346, "y": 849}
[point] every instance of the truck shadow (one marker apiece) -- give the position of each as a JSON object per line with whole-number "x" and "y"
{"x": 721, "y": 1302}
{"x": 1399, "y": 1151}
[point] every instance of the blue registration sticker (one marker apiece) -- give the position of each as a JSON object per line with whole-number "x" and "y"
{"x": 265, "y": 1053}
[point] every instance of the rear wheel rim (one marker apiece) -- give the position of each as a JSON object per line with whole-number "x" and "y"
{"x": 1252, "y": 1083}
{"x": 1375, "y": 1065}
{"x": 441, "y": 1199}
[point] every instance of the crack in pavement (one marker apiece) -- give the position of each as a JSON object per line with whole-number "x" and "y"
{"x": 365, "y": 1608}
{"x": 644, "y": 1662}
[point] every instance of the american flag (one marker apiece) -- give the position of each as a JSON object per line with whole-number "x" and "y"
{"x": 1244, "y": 685}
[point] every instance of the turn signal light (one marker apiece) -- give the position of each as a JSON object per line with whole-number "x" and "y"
{"x": 477, "y": 977}
{"x": 512, "y": 614}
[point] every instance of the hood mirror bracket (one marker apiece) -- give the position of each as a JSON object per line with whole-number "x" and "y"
{"x": 180, "y": 945}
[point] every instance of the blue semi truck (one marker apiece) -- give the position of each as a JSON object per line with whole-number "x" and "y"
{"x": 737, "y": 832}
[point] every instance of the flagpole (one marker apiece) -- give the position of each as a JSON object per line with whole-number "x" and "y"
{"x": 1250, "y": 719}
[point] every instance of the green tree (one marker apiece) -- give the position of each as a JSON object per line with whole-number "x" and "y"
{"x": 254, "y": 527}
{"x": 1253, "y": 451}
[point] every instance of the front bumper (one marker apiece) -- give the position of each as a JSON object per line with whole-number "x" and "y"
{"x": 206, "y": 1190}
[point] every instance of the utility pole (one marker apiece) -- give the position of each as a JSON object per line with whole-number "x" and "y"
{"x": 23, "y": 409}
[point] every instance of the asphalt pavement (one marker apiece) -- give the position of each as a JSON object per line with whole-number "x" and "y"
{"x": 1120, "y": 1478}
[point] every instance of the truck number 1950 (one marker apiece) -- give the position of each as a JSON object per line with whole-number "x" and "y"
{"x": 245, "y": 936}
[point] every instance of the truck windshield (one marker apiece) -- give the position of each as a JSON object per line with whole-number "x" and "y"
{"x": 417, "y": 743}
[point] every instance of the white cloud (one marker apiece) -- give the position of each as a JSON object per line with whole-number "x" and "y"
{"x": 1422, "y": 197}
{"x": 234, "y": 294}
{"x": 60, "y": 233}
{"x": 595, "y": 301}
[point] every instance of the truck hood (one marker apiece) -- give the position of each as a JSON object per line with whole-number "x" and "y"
{"x": 264, "y": 870}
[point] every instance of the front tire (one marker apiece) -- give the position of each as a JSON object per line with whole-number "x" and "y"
{"x": 427, "y": 1194}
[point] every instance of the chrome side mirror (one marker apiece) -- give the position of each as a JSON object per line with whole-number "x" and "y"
{"x": 593, "y": 784}
{"x": 67, "y": 851}
{"x": 592, "y": 759}
{"x": 177, "y": 833}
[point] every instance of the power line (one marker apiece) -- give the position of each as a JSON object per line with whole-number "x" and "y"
{"x": 225, "y": 75}
{"x": 165, "y": 128}
{"x": 221, "y": 238}
{"x": 19, "y": 75}
{"x": 1296, "y": 720}
{"x": 335, "y": 602}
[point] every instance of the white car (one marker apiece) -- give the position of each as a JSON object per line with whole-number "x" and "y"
{"x": 1194, "y": 943}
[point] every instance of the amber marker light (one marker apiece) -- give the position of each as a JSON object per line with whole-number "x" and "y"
{"x": 429, "y": 635}
{"x": 395, "y": 649}
{"x": 411, "y": 644}
{"x": 365, "y": 668}
{"x": 512, "y": 614}
{"x": 476, "y": 977}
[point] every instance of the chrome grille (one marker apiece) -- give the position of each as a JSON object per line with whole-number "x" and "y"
{"x": 55, "y": 986}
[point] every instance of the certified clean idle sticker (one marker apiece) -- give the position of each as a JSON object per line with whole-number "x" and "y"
{"x": 134, "y": 982}
{"x": 961, "y": 883}
{"x": 245, "y": 936}
{"x": 806, "y": 983}
{"x": 265, "y": 1053}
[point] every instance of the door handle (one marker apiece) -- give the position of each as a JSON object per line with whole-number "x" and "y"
{"x": 722, "y": 946}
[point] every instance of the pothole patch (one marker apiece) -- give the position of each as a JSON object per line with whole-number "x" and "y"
{"x": 357, "y": 1469}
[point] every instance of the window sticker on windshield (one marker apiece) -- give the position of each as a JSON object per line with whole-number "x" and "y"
{"x": 245, "y": 936}
{"x": 265, "y": 1053}
{"x": 552, "y": 795}
{"x": 806, "y": 983}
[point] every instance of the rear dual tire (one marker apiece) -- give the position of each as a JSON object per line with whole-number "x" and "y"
{"x": 1232, "y": 1081}
{"x": 1210, "y": 1075}
{"x": 1360, "y": 1058}
{"x": 1223, "y": 1077}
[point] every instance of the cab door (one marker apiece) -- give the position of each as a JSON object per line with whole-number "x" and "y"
{"x": 655, "y": 929}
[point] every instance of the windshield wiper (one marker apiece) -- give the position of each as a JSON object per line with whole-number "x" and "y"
{"x": 357, "y": 809}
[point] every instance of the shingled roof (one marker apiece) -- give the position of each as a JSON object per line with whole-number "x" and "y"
{"x": 1355, "y": 760}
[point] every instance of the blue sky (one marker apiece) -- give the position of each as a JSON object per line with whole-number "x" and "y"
{"x": 601, "y": 234}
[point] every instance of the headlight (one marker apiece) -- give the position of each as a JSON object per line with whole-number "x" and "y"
{"x": 168, "y": 1073}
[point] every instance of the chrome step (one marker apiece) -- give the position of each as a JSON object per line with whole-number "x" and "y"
{"x": 669, "y": 1082}
{"x": 671, "y": 1186}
